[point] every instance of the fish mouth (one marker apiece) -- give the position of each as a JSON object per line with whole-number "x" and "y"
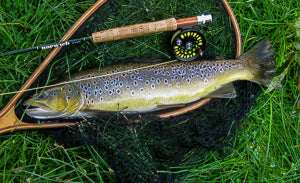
{"x": 37, "y": 106}
{"x": 41, "y": 111}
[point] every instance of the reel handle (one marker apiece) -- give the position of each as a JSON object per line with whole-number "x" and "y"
{"x": 130, "y": 31}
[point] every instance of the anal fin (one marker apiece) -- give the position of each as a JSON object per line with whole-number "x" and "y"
{"x": 226, "y": 91}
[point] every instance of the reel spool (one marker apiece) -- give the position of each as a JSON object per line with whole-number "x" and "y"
{"x": 188, "y": 44}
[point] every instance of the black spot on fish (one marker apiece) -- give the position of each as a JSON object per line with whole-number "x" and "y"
{"x": 121, "y": 84}
{"x": 140, "y": 78}
{"x": 132, "y": 93}
{"x": 188, "y": 80}
{"x": 179, "y": 72}
{"x": 112, "y": 82}
{"x": 152, "y": 79}
{"x": 100, "y": 91}
{"x": 157, "y": 80}
{"x": 118, "y": 90}
{"x": 166, "y": 81}
{"x": 153, "y": 86}
{"x": 172, "y": 78}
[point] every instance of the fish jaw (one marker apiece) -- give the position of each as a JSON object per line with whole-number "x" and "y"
{"x": 42, "y": 111}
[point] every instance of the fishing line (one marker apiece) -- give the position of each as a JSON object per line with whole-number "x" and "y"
{"x": 85, "y": 79}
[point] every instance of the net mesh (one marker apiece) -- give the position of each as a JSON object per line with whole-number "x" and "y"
{"x": 141, "y": 147}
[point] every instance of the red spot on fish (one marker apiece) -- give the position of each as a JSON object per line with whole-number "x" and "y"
{"x": 221, "y": 69}
{"x": 205, "y": 81}
{"x": 240, "y": 66}
{"x": 170, "y": 85}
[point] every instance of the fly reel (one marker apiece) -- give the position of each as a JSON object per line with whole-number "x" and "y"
{"x": 188, "y": 44}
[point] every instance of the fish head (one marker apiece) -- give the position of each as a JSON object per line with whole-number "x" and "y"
{"x": 56, "y": 102}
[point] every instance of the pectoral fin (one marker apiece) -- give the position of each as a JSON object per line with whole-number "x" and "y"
{"x": 96, "y": 112}
{"x": 226, "y": 91}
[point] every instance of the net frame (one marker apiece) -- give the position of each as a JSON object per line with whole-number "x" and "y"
{"x": 10, "y": 121}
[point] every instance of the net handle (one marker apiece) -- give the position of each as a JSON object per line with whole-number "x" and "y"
{"x": 238, "y": 44}
{"x": 8, "y": 118}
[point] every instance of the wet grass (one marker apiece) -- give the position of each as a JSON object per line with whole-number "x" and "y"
{"x": 267, "y": 147}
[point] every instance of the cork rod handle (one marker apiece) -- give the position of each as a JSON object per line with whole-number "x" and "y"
{"x": 134, "y": 30}
{"x": 130, "y": 31}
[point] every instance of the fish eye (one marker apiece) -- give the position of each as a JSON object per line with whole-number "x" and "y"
{"x": 42, "y": 95}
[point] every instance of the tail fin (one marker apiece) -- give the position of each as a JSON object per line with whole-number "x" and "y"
{"x": 260, "y": 59}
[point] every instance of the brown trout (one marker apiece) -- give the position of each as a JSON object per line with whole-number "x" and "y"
{"x": 144, "y": 87}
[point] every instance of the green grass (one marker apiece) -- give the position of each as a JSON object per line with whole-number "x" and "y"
{"x": 267, "y": 146}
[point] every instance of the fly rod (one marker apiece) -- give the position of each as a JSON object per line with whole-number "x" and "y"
{"x": 128, "y": 31}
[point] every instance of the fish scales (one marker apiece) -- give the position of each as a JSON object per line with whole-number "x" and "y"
{"x": 144, "y": 87}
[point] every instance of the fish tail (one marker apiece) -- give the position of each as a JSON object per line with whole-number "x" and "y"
{"x": 260, "y": 60}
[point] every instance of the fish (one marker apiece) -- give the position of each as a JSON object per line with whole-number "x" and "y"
{"x": 139, "y": 87}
